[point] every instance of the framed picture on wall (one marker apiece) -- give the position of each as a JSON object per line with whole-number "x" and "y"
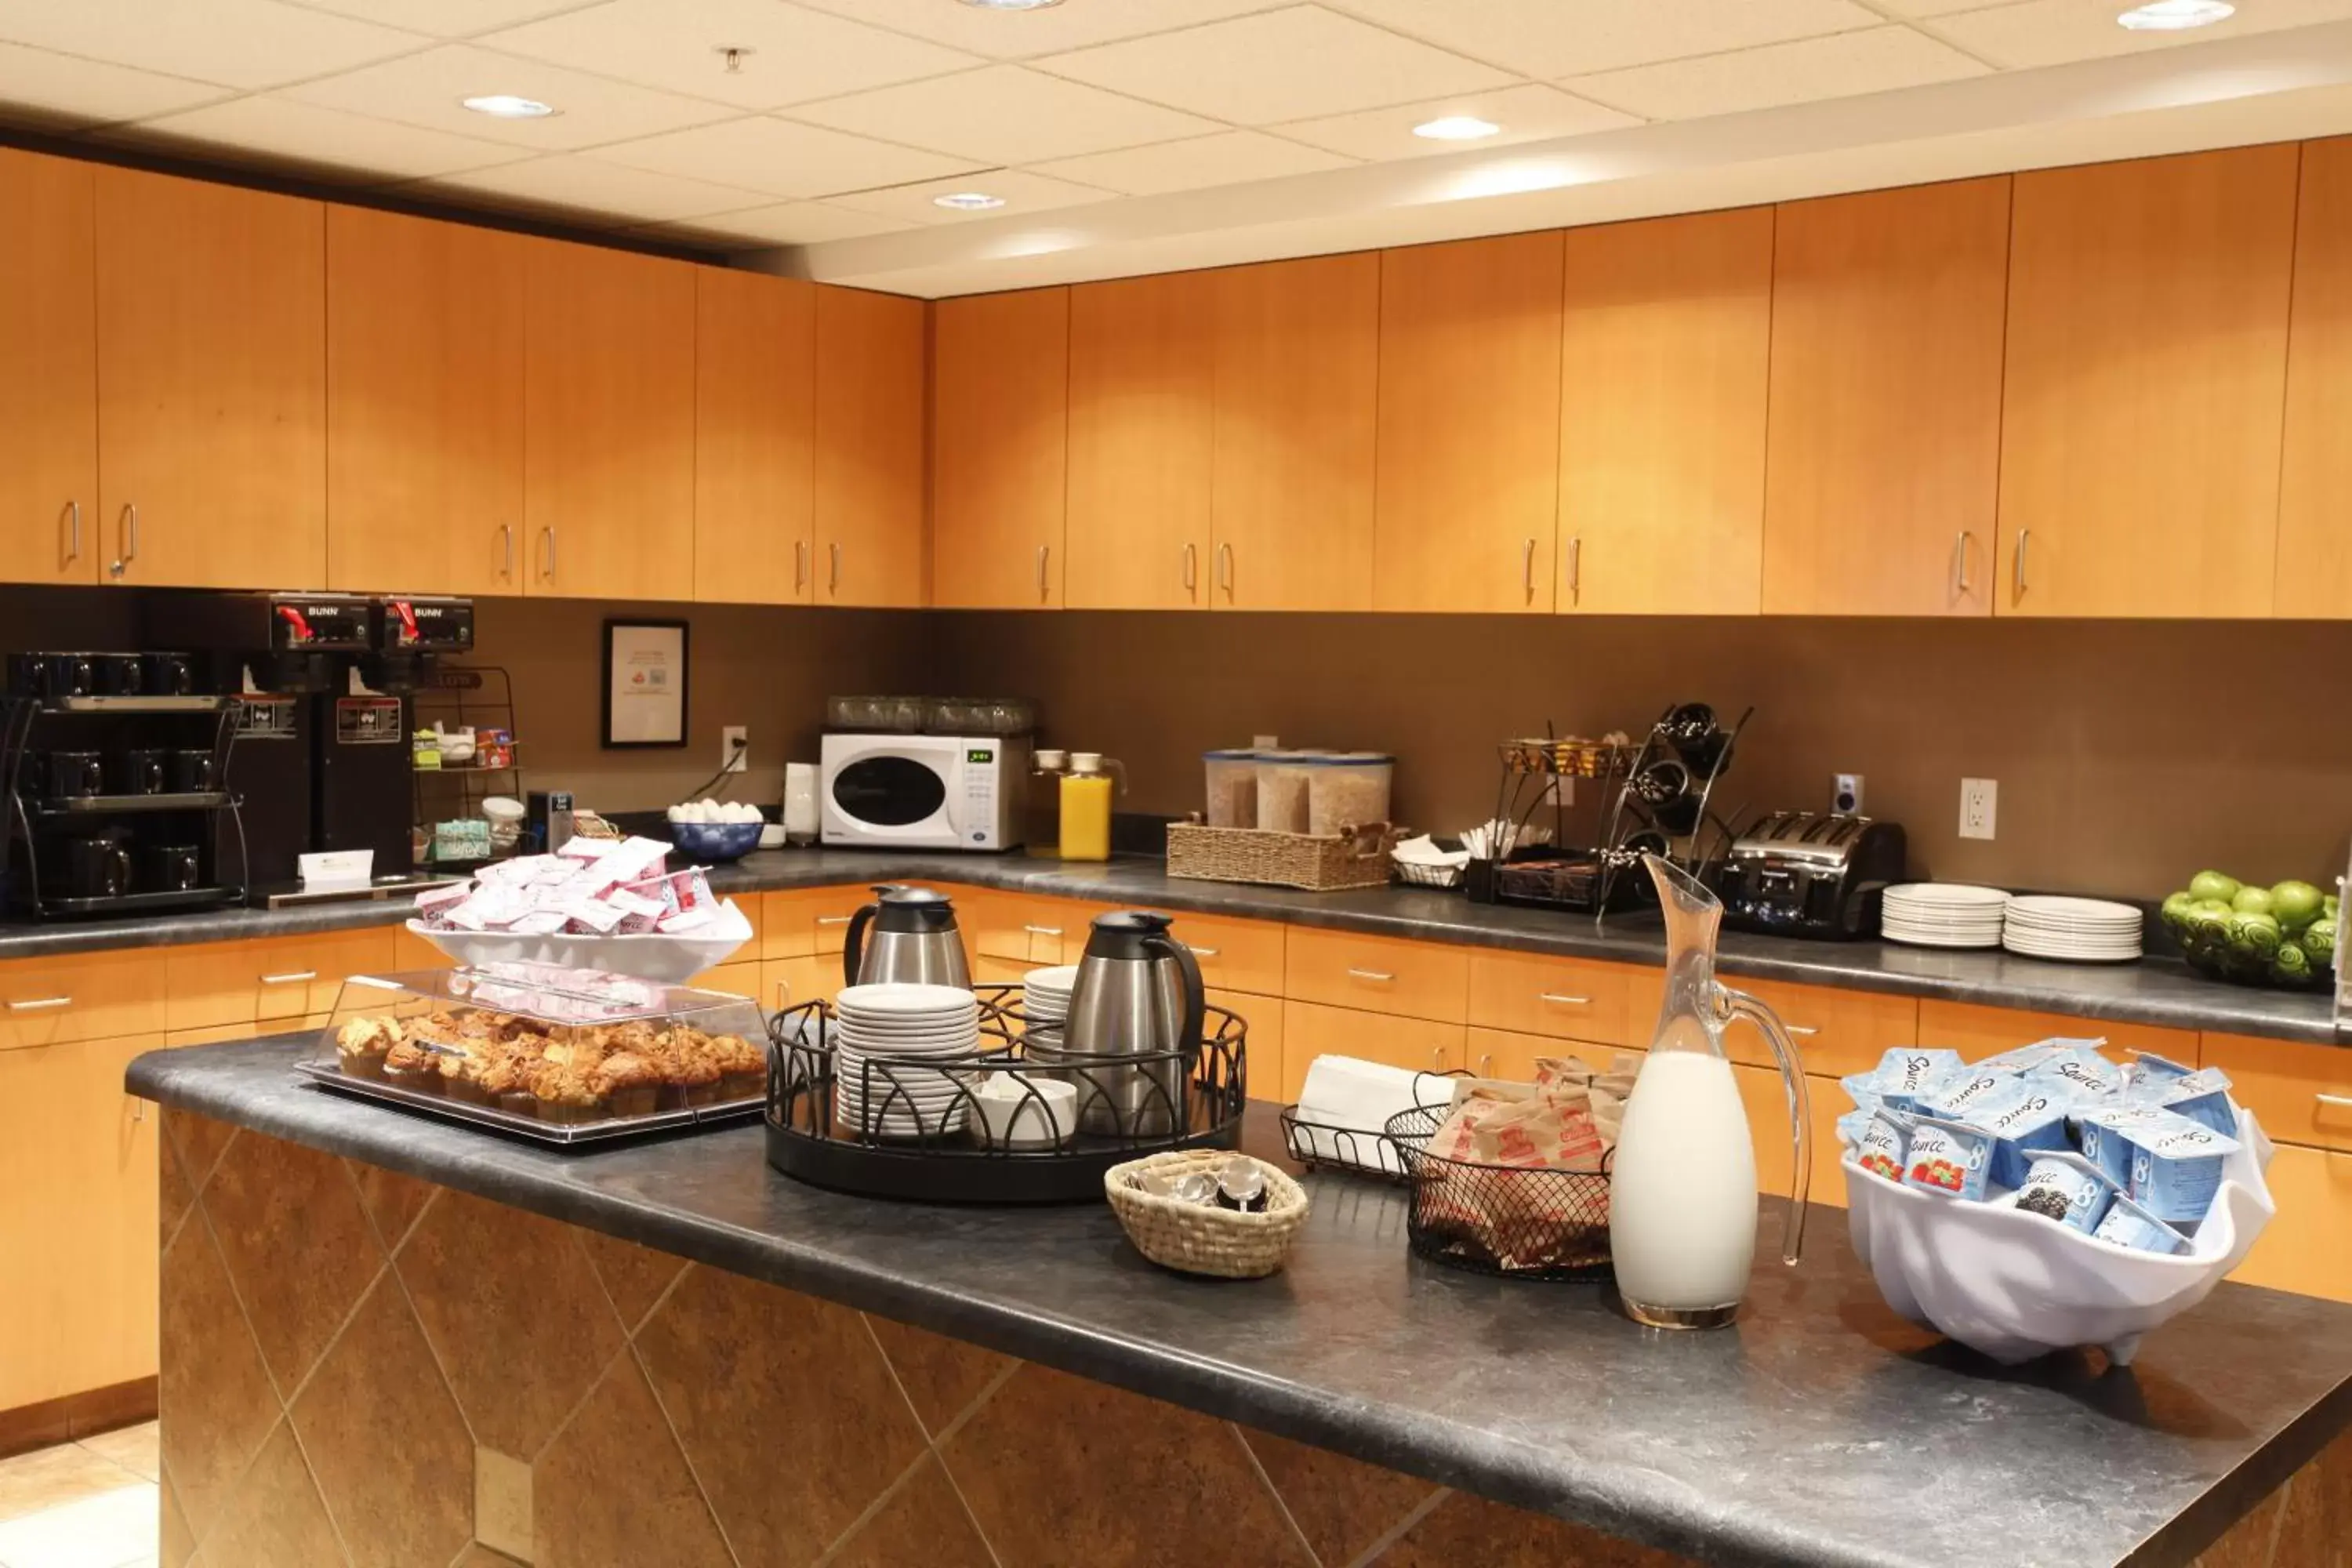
{"x": 645, "y": 683}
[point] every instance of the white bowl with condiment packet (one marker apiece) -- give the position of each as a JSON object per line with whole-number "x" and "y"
{"x": 2015, "y": 1286}
{"x": 1028, "y": 1110}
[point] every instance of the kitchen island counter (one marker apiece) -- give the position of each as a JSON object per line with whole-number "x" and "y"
{"x": 1822, "y": 1430}
{"x": 2158, "y": 991}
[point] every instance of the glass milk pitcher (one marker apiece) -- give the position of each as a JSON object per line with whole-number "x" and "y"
{"x": 1682, "y": 1190}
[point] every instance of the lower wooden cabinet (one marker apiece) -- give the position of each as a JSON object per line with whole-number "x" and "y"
{"x": 1499, "y": 1053}
{"x": 2303, "y": 1247}
{"x": 1766, "y": 1095}
{"x": 1566, "y": 998}
{"x": 789, "y": 982}
{"x": 266, "y": 982}
{"x": 85, "y": 996}
{"x": 808, "y": 921}
{"x": 1263, "y": 1043}
{"x": 737, "y": 979}
{"x": 2301, "y": 1094}
{"x": 1835, "y": 1032}
{"x": 1311, "y": 1030}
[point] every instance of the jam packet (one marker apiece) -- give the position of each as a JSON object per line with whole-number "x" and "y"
{"x": 2063, "y": 1185}
{"x": 2025, "y": 1116}
{"x": 1885, "y": 1140}
{"x": 2170, "y": 1166}
{"x": 2128, "y": 1224}
{"x": 1948, "y": 1157}
{"x": 1901, "y": 1075}
{"x": 2087, "y": 1074}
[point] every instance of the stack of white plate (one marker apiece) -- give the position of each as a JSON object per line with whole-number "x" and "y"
{"x": 2075, "y": 930}
{"x": 1943, "y": 914}
{"x": 884, "y": 1037}
{"x": 1046, "y": 996}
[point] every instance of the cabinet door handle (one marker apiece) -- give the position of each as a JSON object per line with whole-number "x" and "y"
{"x": 1575, "y": 567}
{"x": 73, "y": 523}
{"x": 1485, "y": 1060}
{"x": 1043, "y": 551}
{"x": 299, "y": 977}
{"x": 1437, "y": 1058}
{"x": 1800, "y": 1029}
{"x": 1527, "y": 569}
{"x": 127, "y": 538}
{"x": 1960, "y": 564}
{"x": 138, "y": 1108}
{"x": 800, "y": 564}
{"x": 1203, "y": 951}
{"x": 833, "y": 583}
{"x": 1192, "y": 568}
{"x": 1377, "y": 976}
{"x": 1225, "y": 569}
{"x": 1043, "y": 930}
{"x": 547, "y": 553}
{"x": 2016, "y": 565}
{"x": 2341, "y": 1101}
{"x": 505, "y": 551}
{"x": 40, "y": 1005}
{"x": 1555, "y": 996}
{"x": 834, "y": 920}
{"x": 783, "y": 994}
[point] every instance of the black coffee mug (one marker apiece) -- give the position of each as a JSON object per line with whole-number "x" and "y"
{"x": 71, "y": 776}
{"x": 143, "y": 770}
{"x": 169, "y": 868}
{"x": 51, "y": 675}
{"x": 192, "y": 771}
{"x": 169, "y": 674}
{"x": 119, "y": 674}
{"x": 97, "y": 867}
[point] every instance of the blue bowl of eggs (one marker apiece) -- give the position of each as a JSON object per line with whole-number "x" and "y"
{"x": 713, "y": 833}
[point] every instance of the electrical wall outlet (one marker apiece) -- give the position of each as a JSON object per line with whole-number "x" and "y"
{"x": 735, "y": 748}
{"x": 1845, "y": 792}
{"x": 1979, "y": 800}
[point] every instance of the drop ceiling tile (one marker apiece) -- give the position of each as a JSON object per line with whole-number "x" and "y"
{"x": 429, "y": 89}
{"x": 1282, "y": 64}
{"x": 1229, "y": 158}
{"x": 783, "y": 158}
{"x": 791, "y": 223}
{"x": 794, "y": 55}
{"x": 446, "y": 18}
{"x": 241, "y": 43}
{"x": 1023, "y": 192}
{"x": 2051, "y": 32}
{"x": 1003, "y": 114}
{"x": 37, "y": 88}
{"x": 595, "y": 189}
{"x": 1570, "y": 38}
{"x": 1019, "y": 35}
{"x": 325, "y": 141}
{"x": 1529, "y": 113}
{"x": 1935, "y": 8}
{"x": 1803, "y": 72}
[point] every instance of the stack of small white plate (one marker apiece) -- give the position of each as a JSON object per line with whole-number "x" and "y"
{"x": 1943, "y": 914}
{"x": 879, "y": 1028}
{"x": 1046, "y": 996}
{"x": 2073, "y": 931}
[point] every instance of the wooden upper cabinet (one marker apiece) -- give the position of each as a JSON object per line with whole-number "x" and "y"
{"x": 1000, "y": 426}
{"x": 608, "y": 399}
{"x": 48, "y": 373}
{"x": 870, "y": 375}
{"x": 1142, "y": 375}
{"x": 1467, "y": 450}
{"x": 1883, "y": 450}
{"x": 1666, "y": 357}
{"x": 425, "y": 395}
{"x": 2315, "y": 531}
{"x": 754, "y": 412}
{"x": 1296, "y": 406}
{"x": 212, "y": 383}
{"x": 2147, "y": 346}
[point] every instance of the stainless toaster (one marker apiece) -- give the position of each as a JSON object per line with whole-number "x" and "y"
{"x": 1803, "y": 873}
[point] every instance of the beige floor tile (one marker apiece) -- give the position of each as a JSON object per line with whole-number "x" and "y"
{"x": 112, "y": 1530}
{"x": 48, "y": 1478}
{"x": 133, "y": 1448}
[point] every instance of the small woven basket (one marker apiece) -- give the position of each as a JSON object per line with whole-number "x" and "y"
{"x": 1201, "y": 1238}
{"x": 1356, "y": 858}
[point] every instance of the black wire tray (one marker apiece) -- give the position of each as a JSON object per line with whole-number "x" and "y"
{"x": 1513, "y": 1221}
{"x": 920, "y": 1129}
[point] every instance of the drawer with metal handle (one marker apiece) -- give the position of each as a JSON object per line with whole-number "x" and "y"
{"x": 1378, "y": 974}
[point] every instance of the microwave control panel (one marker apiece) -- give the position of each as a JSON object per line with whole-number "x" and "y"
{"x": 980, "y": 784}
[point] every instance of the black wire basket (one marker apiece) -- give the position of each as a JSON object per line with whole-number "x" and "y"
{"x": 923, "y": 1130}
{"x": 1510, "y": 1220}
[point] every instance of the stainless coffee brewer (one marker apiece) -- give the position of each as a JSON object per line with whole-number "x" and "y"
{"x": 1138, "y": 993}
{"x": 907, "y": 934}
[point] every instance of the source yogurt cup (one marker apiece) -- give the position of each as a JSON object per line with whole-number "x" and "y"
{"x": 2062, "y": 1185}
{"x": 2128, "y": 1224}
{"x": 1885, "y": 1138}
{"x": 2026, "y": 1116}
{"x": 1948, "y": 1157}
{"x": 2169, "y": 1164}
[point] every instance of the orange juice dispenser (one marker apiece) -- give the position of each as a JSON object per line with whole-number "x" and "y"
{"x": 1087, "y": 791}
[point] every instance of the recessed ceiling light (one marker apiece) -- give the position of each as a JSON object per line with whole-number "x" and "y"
{"x": 1012, "y": 4}
{"x": 1457, "y": 128}
{"x": 507, "y": 106}
{"x": 2171, "y": 16}
{"x": 968, "y": 201}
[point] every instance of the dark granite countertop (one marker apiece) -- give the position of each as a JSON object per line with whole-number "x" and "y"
{"x": 1821, "y": 1430}
{"x": 2155, "y": 991}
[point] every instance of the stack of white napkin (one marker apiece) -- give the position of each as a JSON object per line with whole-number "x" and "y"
{"x": 1347, "y": 1102}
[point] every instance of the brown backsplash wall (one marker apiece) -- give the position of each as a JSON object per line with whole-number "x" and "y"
{"x": 767, "y": 668}
{"x": 2128, "y": 754}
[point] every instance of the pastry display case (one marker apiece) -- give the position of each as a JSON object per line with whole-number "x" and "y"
{"x": 556, "y": 1055}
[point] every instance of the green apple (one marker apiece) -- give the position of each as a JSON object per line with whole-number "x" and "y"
{"x": 2213, "y": 885}
{"x": 2297, "y": 904}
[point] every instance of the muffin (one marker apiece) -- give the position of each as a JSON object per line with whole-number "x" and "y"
{"x": 743, "y": 1068}
{"x": 566, "y": 1093}
{"x": 690, "y": 1074}
{"x": 632, "y": 1082}
{"x": 413, "y": 1066}
{"x": 361, "y": 1045}
{"x": 460, "y": 1067}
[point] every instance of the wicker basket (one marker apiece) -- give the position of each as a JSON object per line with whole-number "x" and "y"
{"x": 1200, "y": 1238}
{"x": 1357, "y": 858}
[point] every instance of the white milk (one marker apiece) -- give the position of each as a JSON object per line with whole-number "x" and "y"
{"x": 1681, "y": 1193}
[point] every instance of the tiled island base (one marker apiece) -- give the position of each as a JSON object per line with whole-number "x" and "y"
{"x": 361, "y": 1368}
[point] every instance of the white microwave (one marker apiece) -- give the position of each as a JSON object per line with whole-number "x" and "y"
{"x": 923, "y": 792}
